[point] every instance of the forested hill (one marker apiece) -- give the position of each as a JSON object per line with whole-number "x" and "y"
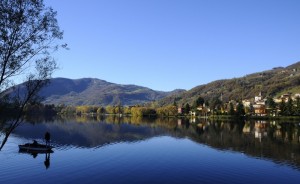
{"x": 272, "y": 82}
{"x": 89, "y": 91}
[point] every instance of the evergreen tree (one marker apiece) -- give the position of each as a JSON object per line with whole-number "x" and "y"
{"x": 282, "y": 107}
{"x": 100, "y": 110}
{"x": 231, "y": 109}
{"x": 289, "y": 110}
{"x": 240, "y": 110}
{"x": 187, "y": 108}
{"x": 174, "y": 103}
{"x": 271, "y": 104}
{"x": 198, "y": 102}
{"x": 251, "y": 108}
{"x": 215, "y": 104}
{"x": 297, "y": 108}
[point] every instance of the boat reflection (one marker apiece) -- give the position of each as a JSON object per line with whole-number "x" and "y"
{"x": 34, "y": 154}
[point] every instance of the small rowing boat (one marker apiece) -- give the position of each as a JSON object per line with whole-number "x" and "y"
{"x": 35, "y": 147}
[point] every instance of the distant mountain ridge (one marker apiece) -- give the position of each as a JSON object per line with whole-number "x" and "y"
{"x": 92, "y": 91}
{"x": 274, "y": 82}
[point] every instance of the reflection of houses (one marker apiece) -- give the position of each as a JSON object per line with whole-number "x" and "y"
{"x": 247, "y": 128}
{"x": 260, "y": 130}
{"x": 179, "y": 122}
{"x": 193, "y": 120}
{"x": 278, "y": 133}
{"x": 192, "y": 113}
{"x": 203, "y": 126}
{"x": 287, "y": 135}
{"x": 180, "y": 110}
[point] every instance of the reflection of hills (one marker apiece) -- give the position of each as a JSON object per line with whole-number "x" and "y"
{"x": 88, "y": 134}
{"x": 277, "y": 142}
{"x": 98, "y": 134}
{"x": 268, "y": 142}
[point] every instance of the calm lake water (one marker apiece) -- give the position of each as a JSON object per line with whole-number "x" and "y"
{"x": 131, "y": 151}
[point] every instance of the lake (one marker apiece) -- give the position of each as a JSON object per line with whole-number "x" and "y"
{"x": 133, "y": 150}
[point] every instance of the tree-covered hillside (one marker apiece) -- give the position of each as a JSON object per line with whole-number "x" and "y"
{"x": 89, "y": 91}
{"x": 273, "y": 83}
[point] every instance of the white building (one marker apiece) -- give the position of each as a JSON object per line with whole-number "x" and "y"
{"x": 258, "y": 98}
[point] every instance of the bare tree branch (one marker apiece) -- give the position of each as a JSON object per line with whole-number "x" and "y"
{"x": 28, "y": 30}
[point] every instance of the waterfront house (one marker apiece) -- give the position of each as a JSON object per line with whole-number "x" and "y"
{"x": 260, "y": 109}
{"x": 246, "y": 103}
{"x": 259, "y": 105}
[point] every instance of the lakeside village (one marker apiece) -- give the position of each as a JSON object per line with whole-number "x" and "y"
{"x": 285, "y": 106}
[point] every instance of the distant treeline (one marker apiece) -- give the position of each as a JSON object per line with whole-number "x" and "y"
{"x": 29, "y": 110}
{"x": 124, "y": 110}
{"x": 50, "y": 110}
{"x": 199, "y": 108}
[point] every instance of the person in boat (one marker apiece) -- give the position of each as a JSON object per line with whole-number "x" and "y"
{"x": 47, "y": 138}
{"x": 35, "y": 143}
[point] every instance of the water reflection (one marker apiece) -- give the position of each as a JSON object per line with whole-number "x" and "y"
{"x": 278, "y": 141}
{"x": 47, "y": 160}
{"x": 261, "y": 139}
{"x": 35, "y": 155}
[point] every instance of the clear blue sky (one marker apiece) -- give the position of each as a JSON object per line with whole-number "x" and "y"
{"x": 169, "y": 44}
